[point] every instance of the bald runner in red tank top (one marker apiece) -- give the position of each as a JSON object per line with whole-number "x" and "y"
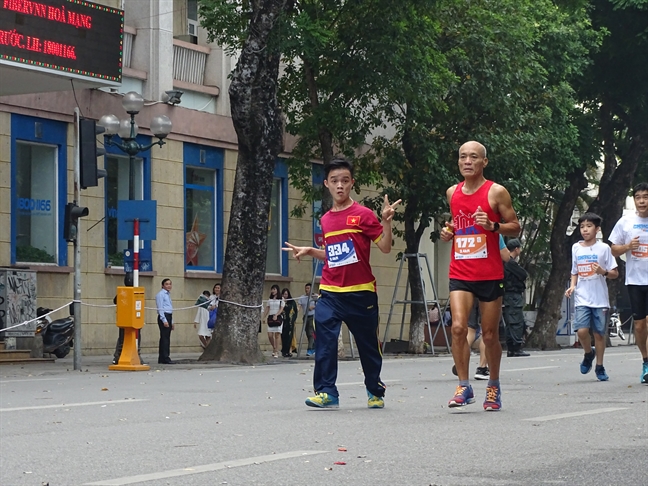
{"x": 475, "y": 255}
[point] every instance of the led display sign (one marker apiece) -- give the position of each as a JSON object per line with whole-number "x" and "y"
{"x": 67, "y": 36}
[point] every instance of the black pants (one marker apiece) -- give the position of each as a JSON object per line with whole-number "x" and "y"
{"x": 165, "y": 338}
{"x": 514, "y": 319}
{"x": 286, "y": 336}
{"x": 310, "y": 332}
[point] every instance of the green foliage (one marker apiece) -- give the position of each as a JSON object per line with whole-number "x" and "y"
{"x": 629, "y": 4}
{"x": 512, "y": 63}
{"x": 431, "y": 74}
{"x": 618, "y": 74}
{"x": 226, "y": 22}
{"x": 116, "y": 259}
{"x": 31, "y": 254}
{"x": 342, "y": 67}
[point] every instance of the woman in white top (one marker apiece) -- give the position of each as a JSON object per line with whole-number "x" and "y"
{"x": 202, "y": 318}
{"x": 273, "y": 315}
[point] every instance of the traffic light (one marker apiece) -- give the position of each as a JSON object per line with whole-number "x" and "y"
{"x": 71, "y": 223}
{"x": 88, "y": 153}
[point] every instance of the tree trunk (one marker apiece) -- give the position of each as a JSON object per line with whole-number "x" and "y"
{"x": 544, "y": 330}
{"x": 614, "y": 184}
{"x": 613, "y": 189}
{"x": 418, "y": 314}
{"x": 617, "y": 177}
{"x": 257, "y": 120}
{"x": 413, "y": 234}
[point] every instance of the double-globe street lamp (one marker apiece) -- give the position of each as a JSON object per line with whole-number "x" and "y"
{"x": 127, "y": 130}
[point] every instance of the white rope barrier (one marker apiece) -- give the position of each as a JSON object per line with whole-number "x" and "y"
{"x": 35, "y": 319}
{"x": 107, "y": 306}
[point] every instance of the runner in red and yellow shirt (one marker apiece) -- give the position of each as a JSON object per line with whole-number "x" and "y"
{"x": 347, "y": 237}
{"x": 348, "y": 286}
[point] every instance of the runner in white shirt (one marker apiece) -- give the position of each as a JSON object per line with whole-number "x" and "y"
{"x": 592, "y": 263}
{"x": 630, "y": 237}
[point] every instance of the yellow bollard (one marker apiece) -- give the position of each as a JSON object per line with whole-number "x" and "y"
{"x": 130, "y": 317}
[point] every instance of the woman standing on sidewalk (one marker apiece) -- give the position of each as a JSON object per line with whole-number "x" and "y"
{"x": 289, "y": 318}
{"x": 273, "y": 315}
{"x": 202, "y": 318}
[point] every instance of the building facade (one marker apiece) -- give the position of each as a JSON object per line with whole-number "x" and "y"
{"x": 190, "y": 177}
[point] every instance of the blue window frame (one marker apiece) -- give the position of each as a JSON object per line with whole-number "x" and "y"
{"x": 277, "y": 260}
{"x": 203, "y": 219}
{"x": 117, "y": 187}
{"x": 318, "y": 236}
{"x": 38, "y": 190}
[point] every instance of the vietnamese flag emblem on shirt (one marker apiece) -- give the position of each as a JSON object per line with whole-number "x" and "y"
{"x": 353, "y": 220}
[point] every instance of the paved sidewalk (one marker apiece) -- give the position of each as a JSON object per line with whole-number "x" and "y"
{"x": 97, "y": 364}
{"x": 204, "y": 424}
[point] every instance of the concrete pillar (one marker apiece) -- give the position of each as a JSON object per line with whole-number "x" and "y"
{"x": 153, "y": 46}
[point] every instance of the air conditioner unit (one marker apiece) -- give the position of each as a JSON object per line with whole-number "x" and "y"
{"x": 192, "y": 27}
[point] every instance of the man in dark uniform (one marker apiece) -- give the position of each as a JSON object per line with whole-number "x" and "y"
{"x": 514, "y": 287}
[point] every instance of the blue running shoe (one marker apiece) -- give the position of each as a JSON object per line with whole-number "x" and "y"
{"x": 493, "y": 401}
{"x": 600, "y": 373}
{"x": 374, "y": 401}
{"x": 586, "y": 365}
{"x": 463, "y": 396}
{"x": 323, "y": 400}
{"x": 644, "y": 374}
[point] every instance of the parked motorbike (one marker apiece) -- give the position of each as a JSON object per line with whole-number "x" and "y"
{"x": 57, "y": 335}
{"x": 615, "y": 326}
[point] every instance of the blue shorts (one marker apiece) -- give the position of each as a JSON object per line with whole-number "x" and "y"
{"x": 593, "y": 318}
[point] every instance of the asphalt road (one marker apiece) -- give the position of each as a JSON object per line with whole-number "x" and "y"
{"x": 196, "y": 424}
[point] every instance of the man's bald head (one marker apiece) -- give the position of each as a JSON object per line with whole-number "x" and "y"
{"x": 472, "y": 145}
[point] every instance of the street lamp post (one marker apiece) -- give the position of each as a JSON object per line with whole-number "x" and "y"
{"x": 127, "y": 130}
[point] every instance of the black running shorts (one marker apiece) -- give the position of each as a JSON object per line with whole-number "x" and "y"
{"x": 485, "y": 290}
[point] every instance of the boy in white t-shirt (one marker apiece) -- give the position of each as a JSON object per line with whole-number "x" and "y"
{"x": 630, "y": 237}
{"x": 592, "y": 263}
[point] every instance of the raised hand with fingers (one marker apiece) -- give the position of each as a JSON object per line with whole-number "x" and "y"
{"x": 388, "y": 210}
{"x": 481, "y": 218}
{"x": 298, "y": 251}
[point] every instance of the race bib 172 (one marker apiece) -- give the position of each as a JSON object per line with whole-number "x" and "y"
{"x": 470, "y": 246}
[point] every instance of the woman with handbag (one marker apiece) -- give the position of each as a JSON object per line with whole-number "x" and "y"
{"x": 289, "y": 318}
{"x": 202, "y": 318}
{"x": 274, "y": 315}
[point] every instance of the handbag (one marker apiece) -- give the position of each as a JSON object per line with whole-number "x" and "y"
{"x": 275, "y": 323}
{"x": 213, "y": 315}
{"x": 433, "y": 315}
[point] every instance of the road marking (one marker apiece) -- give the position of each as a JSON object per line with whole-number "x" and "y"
{"x": 358, "y": 383}
{"x": 68, "y": 405}
{"x": 174, "y": 473}
{"x": 32, "y": 379}
{"x": 530, "y": 369}
{"x": 559, "y": 416}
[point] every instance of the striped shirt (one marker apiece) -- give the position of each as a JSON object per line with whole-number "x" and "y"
{"x": 348, "y": 235}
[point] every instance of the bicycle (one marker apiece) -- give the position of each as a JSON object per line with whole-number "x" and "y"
{"x": 615, "y": 326}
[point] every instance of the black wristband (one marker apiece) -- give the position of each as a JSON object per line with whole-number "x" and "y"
{"x": 496, "y": 226}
